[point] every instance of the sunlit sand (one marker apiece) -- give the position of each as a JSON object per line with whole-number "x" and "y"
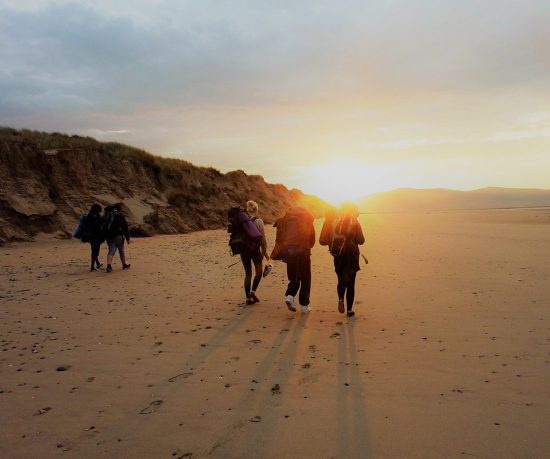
{"x": 447, "y": 357}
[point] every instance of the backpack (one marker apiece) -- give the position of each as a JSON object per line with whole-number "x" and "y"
{"x": 244, "y": 235}
{"x": 80, "y": 228}
{"x": 292, "y": 231}
{"x": 341, "y": 235}
{"x": 109, "y": 220}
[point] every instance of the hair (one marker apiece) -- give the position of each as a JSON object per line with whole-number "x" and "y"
{"x": 349, "y": 209}
{"x": 95, "y": 209}
{"x": 117, "y": 207}
{"x": 252, "y": 207}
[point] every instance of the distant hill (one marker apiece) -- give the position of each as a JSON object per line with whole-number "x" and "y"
{"x": 412, "y": 199}
{"x": 49, "y": 180}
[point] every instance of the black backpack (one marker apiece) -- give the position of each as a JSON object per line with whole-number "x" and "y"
{"x": 341, "y": 236}
{"x": 111, "y": 223}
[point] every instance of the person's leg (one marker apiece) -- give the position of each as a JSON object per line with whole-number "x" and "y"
{"x": 93, "y": 256}
{"x": 350, "y": 294}
{"x": 305, "y": 279}
{"x": 121, "y": 250}
{"x": 292, "y": 274}
{"x": 111, "y": 253}
{"x": 340, "y": 289}
{"x": 341, "y": 286}
{"x": 247, "y": 264}
{"x": 258, "y": 268}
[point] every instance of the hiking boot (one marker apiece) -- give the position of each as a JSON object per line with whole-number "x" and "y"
{"x": 99, "y": 265}
{"x": 254, "y": 297}
{"x": 249, "y": 301}
{"x": 305, "y": 309}
{"x": 289, "y": 300}
{"x": 92, "y": 270}
{"x": 341, "y": 308}
{"x": 109, "y": 268}
{"x": 126, "y": 266}
{"x": 351, "y": 313}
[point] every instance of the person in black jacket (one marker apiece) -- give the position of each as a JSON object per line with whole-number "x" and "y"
{"x": 298, "y": 237}
{"x": 116, "y": 231}
{"x": 92, "y": 234}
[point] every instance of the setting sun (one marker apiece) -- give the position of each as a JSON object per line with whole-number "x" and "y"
{"x": 341, "y": 181}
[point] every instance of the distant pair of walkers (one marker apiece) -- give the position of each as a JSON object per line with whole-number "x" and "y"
{"x": 341, "y": 232}
{"x": 111, "y": 227}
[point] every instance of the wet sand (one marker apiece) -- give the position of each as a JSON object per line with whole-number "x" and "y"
{"x": 448, "y": 356}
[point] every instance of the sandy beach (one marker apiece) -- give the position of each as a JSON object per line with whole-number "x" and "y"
{"x": 448, "y": 356}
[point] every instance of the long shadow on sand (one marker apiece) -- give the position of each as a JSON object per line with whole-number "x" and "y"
{"x": 131, "y": 424}
{"x": 353, "y": 436}
{"x": 274, "y": 369}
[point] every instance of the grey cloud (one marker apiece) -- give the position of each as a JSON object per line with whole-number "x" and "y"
{"x": 80, "y": 57}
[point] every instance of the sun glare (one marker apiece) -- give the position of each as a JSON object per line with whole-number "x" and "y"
{"x": 341, "y": 181}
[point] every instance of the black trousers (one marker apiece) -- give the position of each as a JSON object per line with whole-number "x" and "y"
{"x": 248, "y": 259}
{"x": 298, "y": 270}
{"x": 346, "y": 287}
{"x": 95, "y": 247}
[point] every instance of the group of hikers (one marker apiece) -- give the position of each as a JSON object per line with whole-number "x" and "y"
{"x": 110, "y": 227}
{"x": 295, "y": 236}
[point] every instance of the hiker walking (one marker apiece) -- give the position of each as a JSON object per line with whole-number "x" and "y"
{"x": 115, "y": 230}
{"x": 294, "y": 240}
{"x": 92, "y": 233}
{"x": 255, "y": 255}
{"x": 343, "y": 234}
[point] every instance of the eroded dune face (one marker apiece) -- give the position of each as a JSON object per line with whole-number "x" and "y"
{"x": 46, "y": 190}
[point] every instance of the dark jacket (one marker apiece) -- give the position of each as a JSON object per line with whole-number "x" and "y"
{"x": 92, "y": 230}
{"x": 119, "y": 227}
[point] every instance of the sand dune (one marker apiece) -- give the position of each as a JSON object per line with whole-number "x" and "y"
{"x": 448, "y": 355}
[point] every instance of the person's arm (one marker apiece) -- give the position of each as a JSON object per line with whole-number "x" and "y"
{"x": 359, "y": 236}
{"x": 125, "y": 229}
{"x": 260, "y": 224}
{"x": 311, "y": 236}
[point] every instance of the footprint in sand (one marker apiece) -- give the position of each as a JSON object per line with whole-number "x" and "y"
{"x": 181, "y": 375}
{"x": 152, "y": 407}
{"x": 42, "y": 411}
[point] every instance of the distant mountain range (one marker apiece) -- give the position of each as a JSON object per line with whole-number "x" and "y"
{"x": 413, "y": 199}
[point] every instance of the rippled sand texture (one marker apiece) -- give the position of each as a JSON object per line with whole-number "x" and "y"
{"x": 448, "y": 356}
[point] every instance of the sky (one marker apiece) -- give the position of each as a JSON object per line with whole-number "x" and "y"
{"x": 333, "y": 97}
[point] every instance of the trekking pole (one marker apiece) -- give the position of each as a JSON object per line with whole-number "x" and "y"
{"x": 236, "y": 263}
{"x": 365, "y": 258}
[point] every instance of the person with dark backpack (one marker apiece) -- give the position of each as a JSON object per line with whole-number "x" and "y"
{"x": 343, "y": 235}
{"x": 91, "y": 232}
{"x": 294, "y": 239}
{"x": 115, "y": 231}
{"x": 247, "y": 239}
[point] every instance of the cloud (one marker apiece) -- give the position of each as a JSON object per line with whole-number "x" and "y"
{"x": 506, "y": 136}
{"x": 102, "y": 56}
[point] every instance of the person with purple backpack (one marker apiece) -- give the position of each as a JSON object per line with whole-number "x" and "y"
{"x": 247, "y": 239}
